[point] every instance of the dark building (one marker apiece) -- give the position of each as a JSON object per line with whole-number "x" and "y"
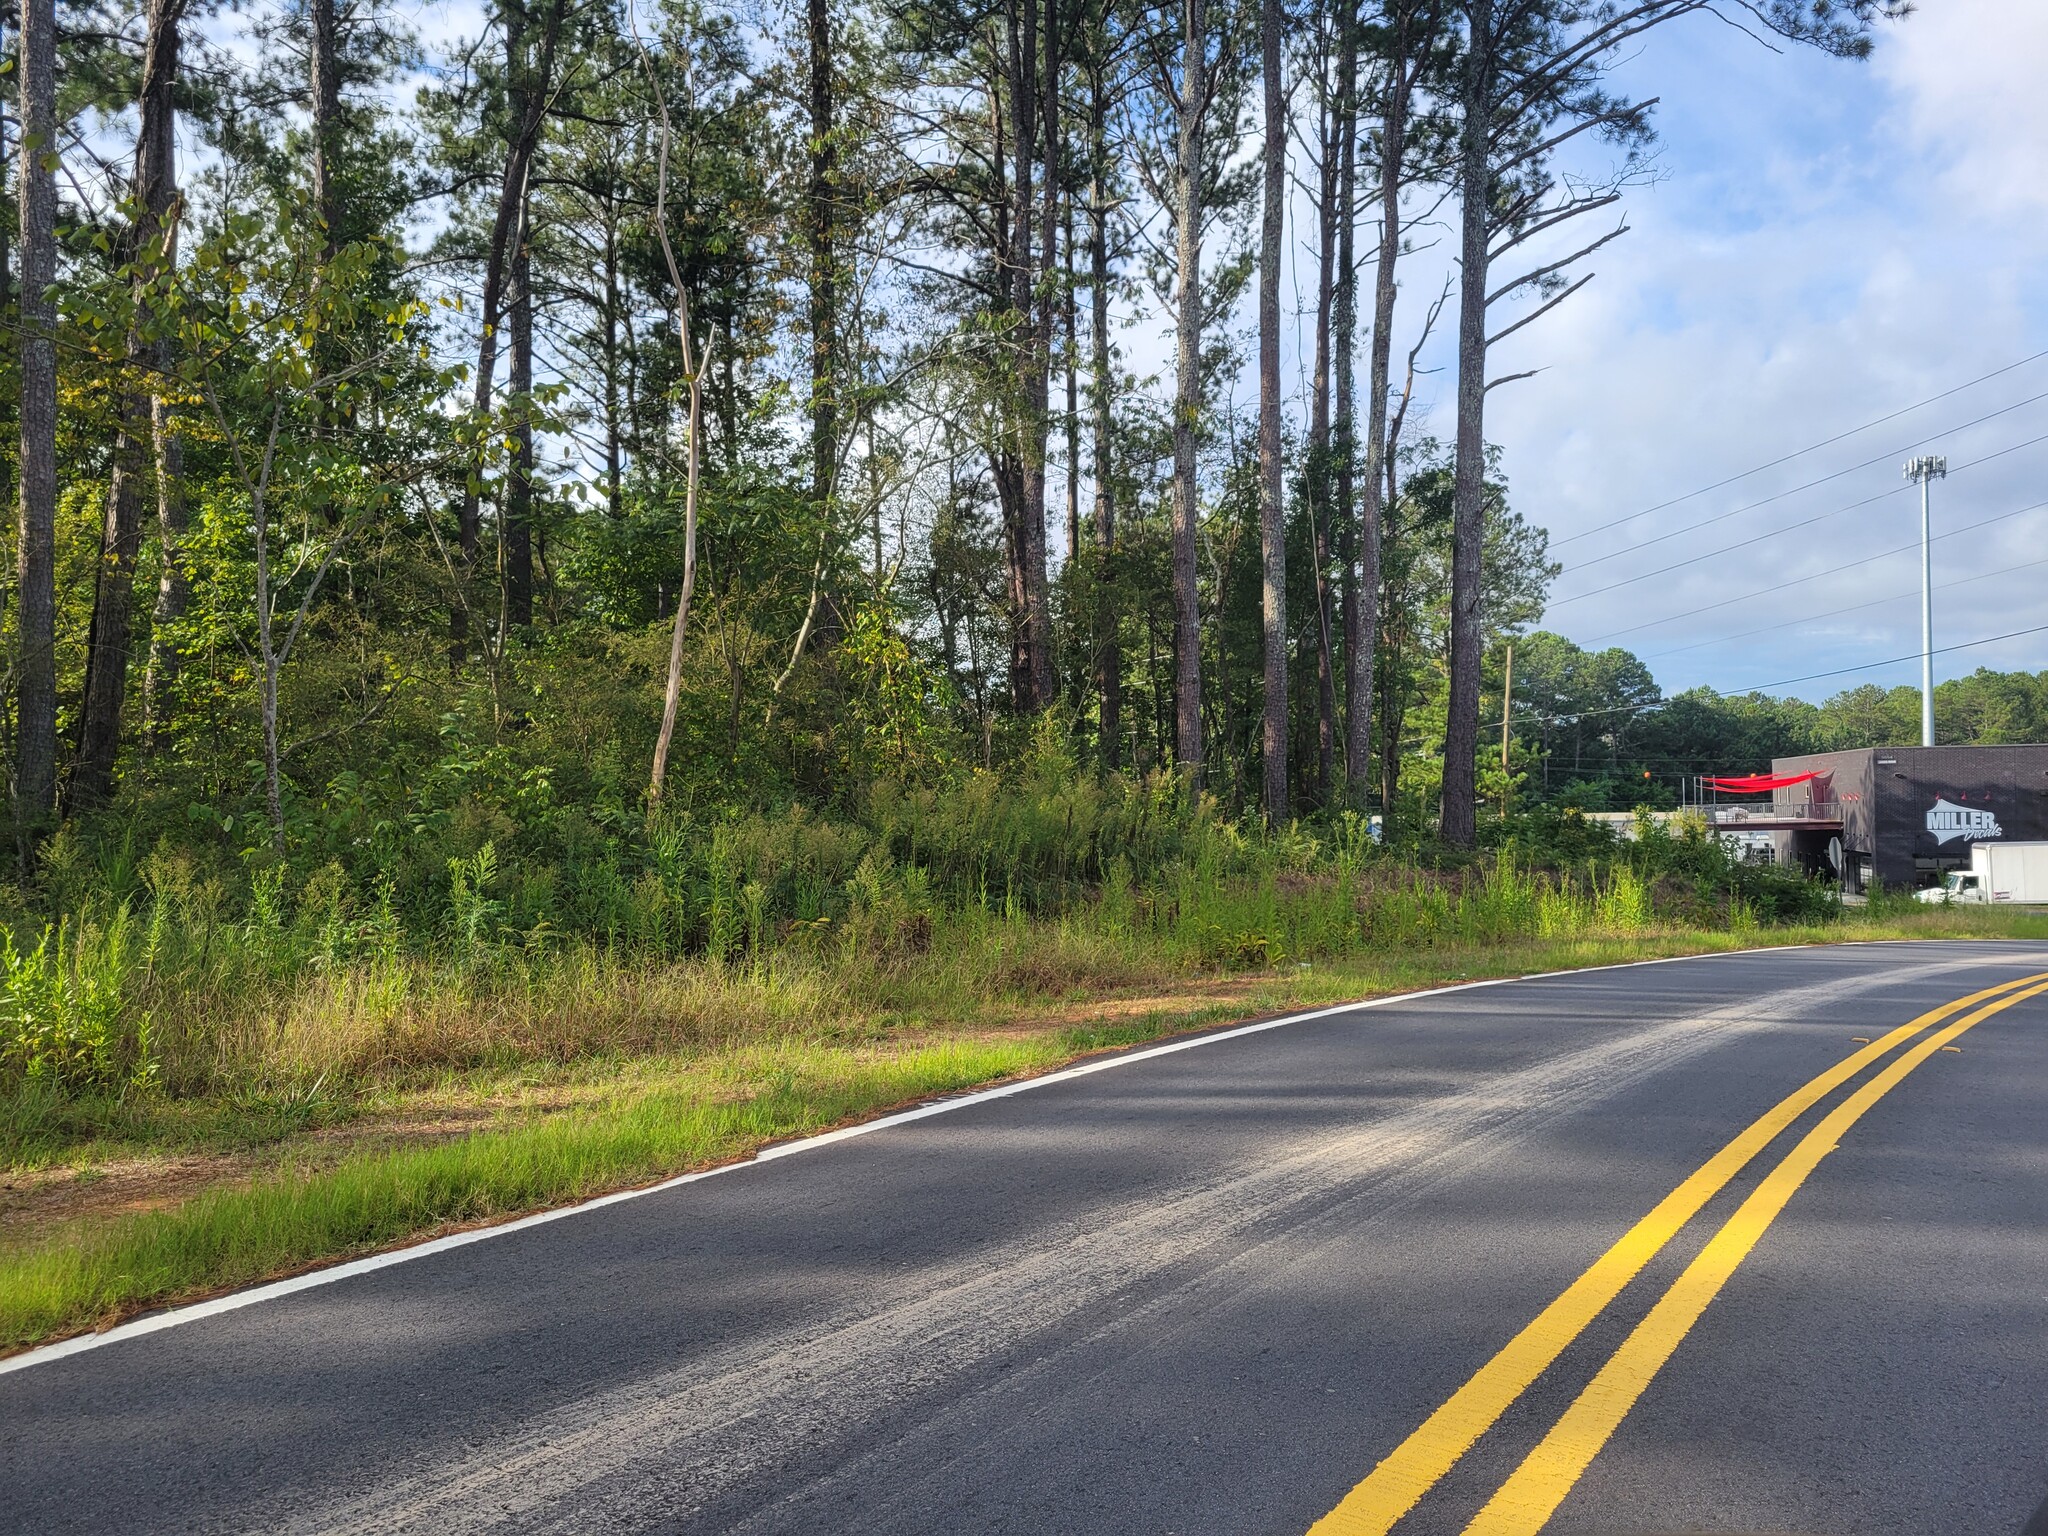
{"x": 1906, "y": 815}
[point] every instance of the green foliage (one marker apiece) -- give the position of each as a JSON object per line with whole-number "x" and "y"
{"x": 1719, "y": 878}
{"x": 65, "y": 1010}
{"x": 494, "y": 885}
{"x": 1595, "y": 732}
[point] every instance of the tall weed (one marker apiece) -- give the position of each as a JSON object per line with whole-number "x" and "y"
{"x": 65, "y": 1006}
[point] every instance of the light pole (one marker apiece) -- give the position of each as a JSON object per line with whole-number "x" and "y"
{"x": 1926, "y": 470}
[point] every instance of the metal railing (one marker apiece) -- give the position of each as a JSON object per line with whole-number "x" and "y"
{"x": 1774, "y": 813}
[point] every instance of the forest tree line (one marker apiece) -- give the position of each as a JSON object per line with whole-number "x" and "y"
{"x": 1592, "y": 729}
{"x": 418, "y": 440}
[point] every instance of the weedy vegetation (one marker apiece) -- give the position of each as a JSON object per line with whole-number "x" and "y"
{"x": 683, "y": 995}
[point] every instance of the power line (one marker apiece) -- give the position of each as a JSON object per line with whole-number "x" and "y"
{"x": 1885, "y": 457}
{"x": 1815, "y": 576}
{"x": 1679, "y": 565}
{"x": 1802, "y": 452}
{"x": 1797, "y": 581}
{"x": 1872, "y": 666}
{"x": 1835, "y": 613}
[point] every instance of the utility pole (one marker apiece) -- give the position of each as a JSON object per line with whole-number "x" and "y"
{"x": 1507, "y": 699}
{"x": 1926, "y": 470}
{"x": 1507, "y": 694}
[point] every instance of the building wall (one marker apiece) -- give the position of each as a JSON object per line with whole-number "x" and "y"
{"x": 1844, "y": 781}
{"x": 1888, "y": 793}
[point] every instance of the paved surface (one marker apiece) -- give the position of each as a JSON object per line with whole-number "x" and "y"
{"x": 1205, "y": 1292}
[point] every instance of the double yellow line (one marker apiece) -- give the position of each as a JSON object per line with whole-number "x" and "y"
{"x": 1530, "y": 1496}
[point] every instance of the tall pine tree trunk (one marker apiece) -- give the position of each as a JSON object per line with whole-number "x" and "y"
{"x": 1036, "y": 301}
{"x": 527, "y": 92}
{"x": 326, "y": 115}
{"x": 1024, "y": 457}
{"x": 6, "y": 251}
{"x": 1345, "y": 349}
{"x": 1457, "y": 819}
{"x": 112, "y": 625}
{"x": 1319, "y": 461}
{"x": 172, "y": 588}
{"x": 820, "y": 215}
{"x": 1372, "y": 512}
{"x": 35, "y": 768}
{"x": 517, "y": 534}
{"x": 153, "y": 187}
{"x": 1109, "y": 661}
{"x": 614, "y": 449}
{"x": 1187, "y": 404}
{"x": 1272, "y": 524}
{"x": 167, "y": 449}
{"x": 1069, "y": 282}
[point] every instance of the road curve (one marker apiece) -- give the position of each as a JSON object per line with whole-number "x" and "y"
{"x": 1213, "y": 1291}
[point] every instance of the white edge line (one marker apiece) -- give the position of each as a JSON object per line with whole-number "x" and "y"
{"x": 234, "y": 1301}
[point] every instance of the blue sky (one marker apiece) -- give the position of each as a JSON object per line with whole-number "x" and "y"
{"x": 1828, "y": 242}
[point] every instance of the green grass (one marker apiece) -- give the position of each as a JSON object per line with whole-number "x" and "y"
{"x": 232, "y": 1236}
{"x": 724, "y": 1099}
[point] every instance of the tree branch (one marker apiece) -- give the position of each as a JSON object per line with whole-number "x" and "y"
{"x": 1540, "y": 273}
{"x": 1539, "y": 313}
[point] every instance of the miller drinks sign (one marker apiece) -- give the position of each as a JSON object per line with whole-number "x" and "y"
{"x": 1948, "y": 821}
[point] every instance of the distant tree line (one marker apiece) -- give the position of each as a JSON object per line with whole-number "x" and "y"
{"x": 1592, "y": 729}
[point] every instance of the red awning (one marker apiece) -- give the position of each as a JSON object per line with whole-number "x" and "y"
{"x": 1759, "y": 783}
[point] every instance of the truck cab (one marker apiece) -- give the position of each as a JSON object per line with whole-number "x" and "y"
{"x": 1960, "y": 885}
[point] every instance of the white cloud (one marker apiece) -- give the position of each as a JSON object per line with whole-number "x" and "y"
{"x": 1967, "y": 75}
{"x": 1831, "y": 242}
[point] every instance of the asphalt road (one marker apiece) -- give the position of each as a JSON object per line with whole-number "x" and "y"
{"x": 1204, "y": 1291}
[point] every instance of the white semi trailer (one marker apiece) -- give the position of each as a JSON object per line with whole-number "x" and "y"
{"x": 2000, "y": 872}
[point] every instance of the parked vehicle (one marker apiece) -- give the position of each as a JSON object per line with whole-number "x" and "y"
{"x": 1998, "y": 872}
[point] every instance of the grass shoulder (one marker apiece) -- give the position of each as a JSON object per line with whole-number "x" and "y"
{"x": 137, "y": 1204}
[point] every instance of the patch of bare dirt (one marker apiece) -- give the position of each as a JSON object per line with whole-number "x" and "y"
{"x": 1190, "y": 998}
{"x": 36, "y": 1201}
{"x": 31, "y": 1202}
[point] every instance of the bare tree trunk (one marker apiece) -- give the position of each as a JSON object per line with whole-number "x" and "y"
{"x": 1392, "y": 153}
{"x": 159, "y": 194}
{"x": 35, "y": 770}
{"x": 672, "y": 694}
{"x": 1109, "y": 661}
{"x": 172, "y": 588}
{"x": 105, "y": 693}
{"x": 517, "y": 534}
{"x": 326, "y": 114}
{"x": 1393, "y": 695}
{"x": 1319, "y": 452}
{"x": 824, "y": 278}
{"x": 1030, "y": 654}
{"x": 266, "y": 640}
{"x": 1393, "y": 707}
{"x": 1457, "y": 818}
{"x": 614, "y": 457}
{"x": 6, "y": 253}
{"x": 1187, "y": 405}
{"x": 1326, "y": 687}
{"x": 270, "y": 655}
{"x": 1073, "y": 360}
{"x": 528, "y": 94}
{"x": 111, "y": 629}
{"x": 1036, "y": 357}
{"x": 1008, "y": 474}
{"x": 1345, "y": 349}
{"x": 694, "y": 369}
{"x": 1272, "y": 523}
